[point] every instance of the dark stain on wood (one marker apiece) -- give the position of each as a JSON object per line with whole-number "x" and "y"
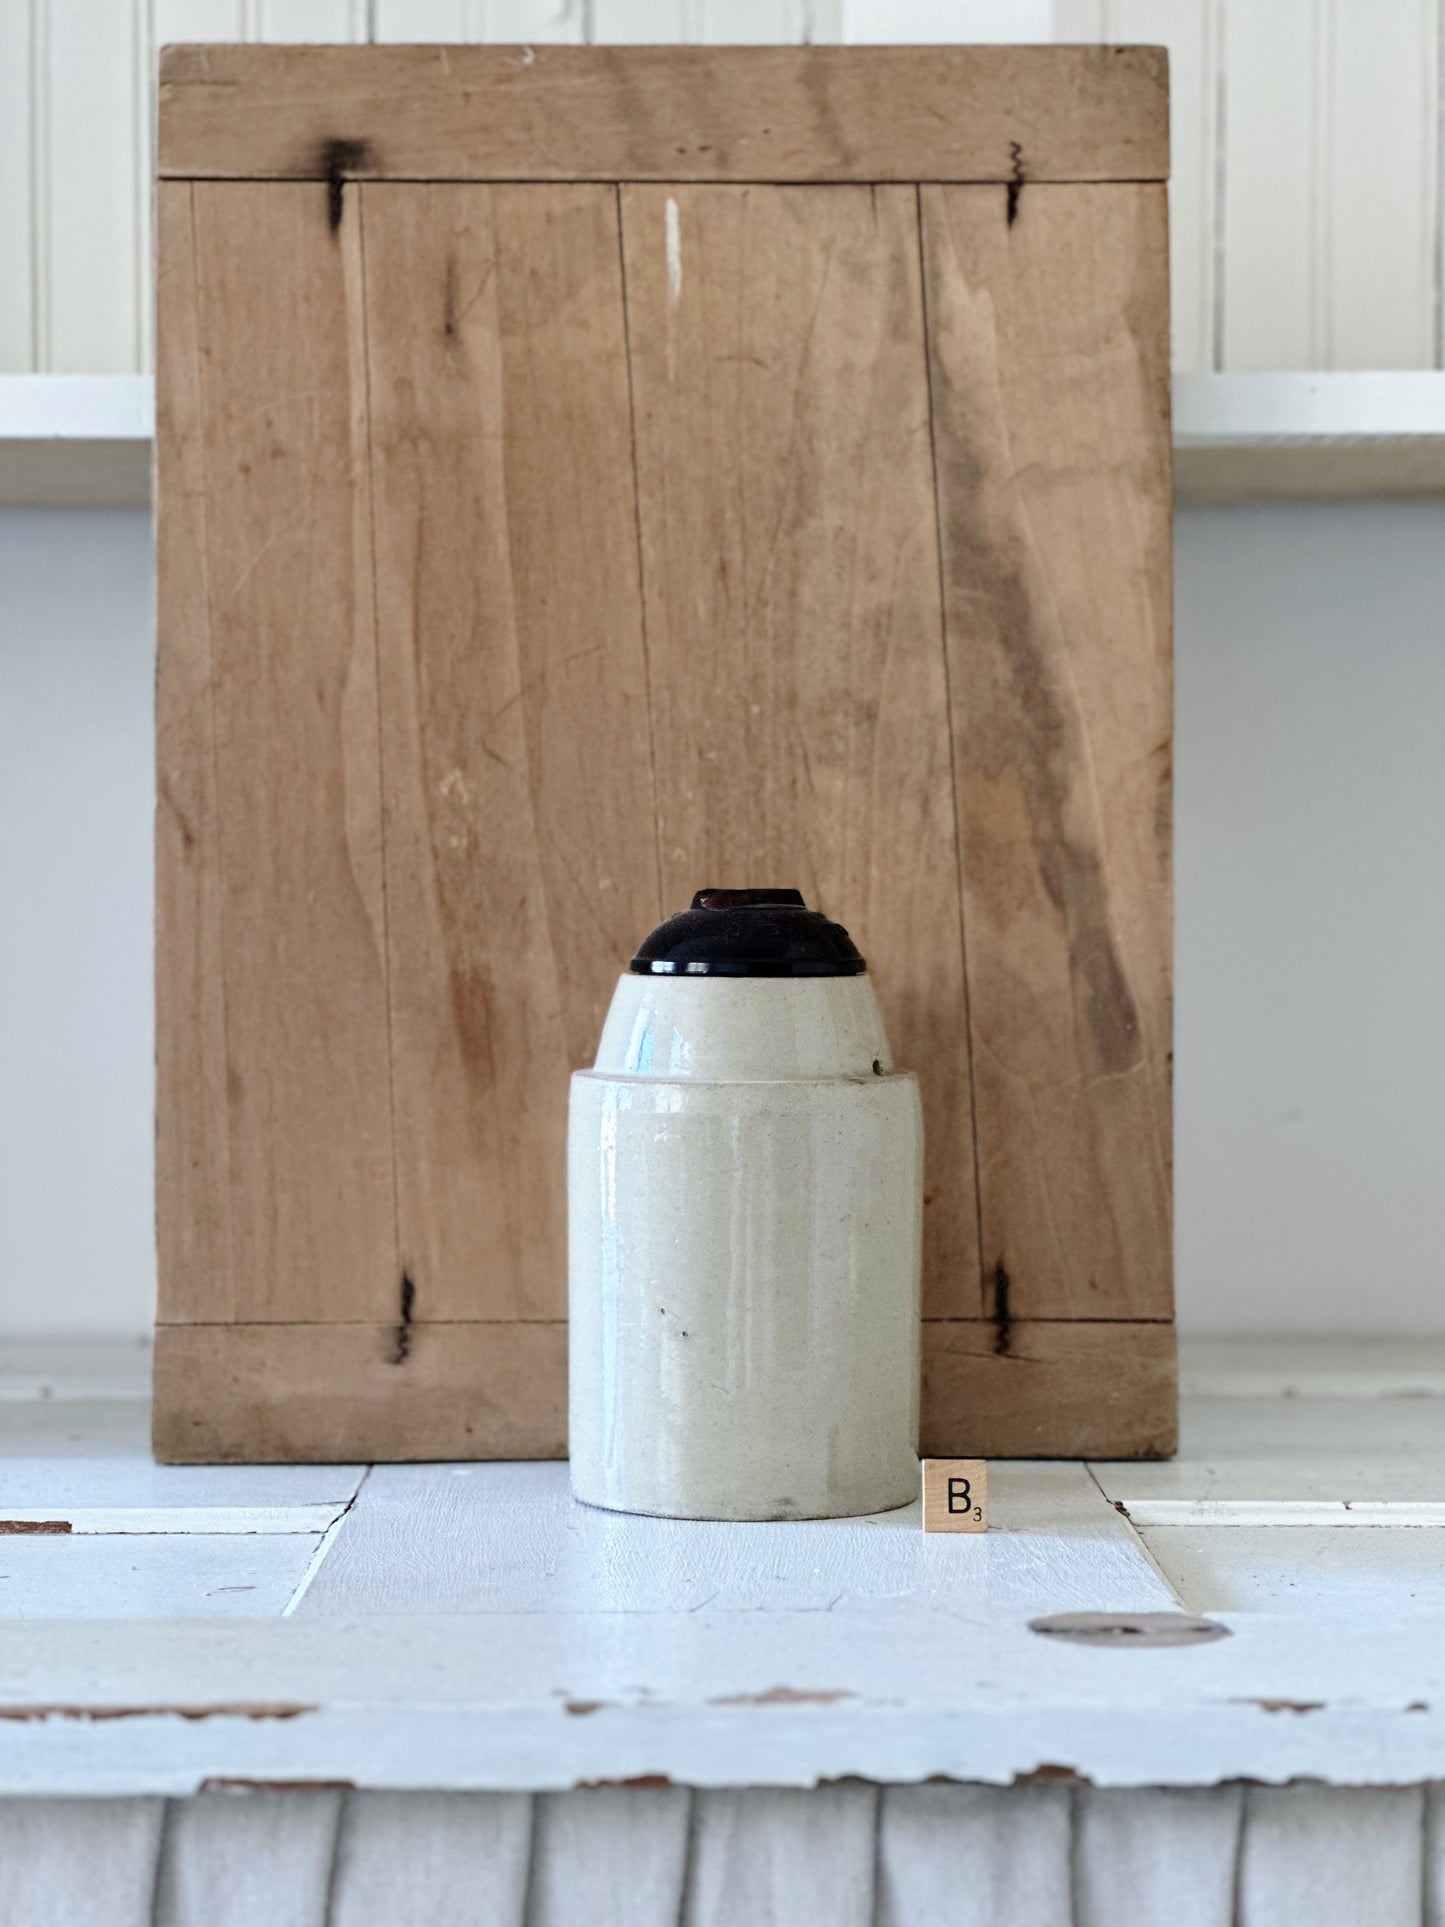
{"x": 224, "y": 1783}
{"x": 1035, "y": 737}
{"x": 221, "y": 1710}
{"x": 636, "y": 1780}
{"x": 1284, "y": 1706}
{"x": 402, "y": 1351}
{"x": 338, "y": 159}
{"x": 35, "y": 1525}
{"x": 1015, "y": 187}
{"x": 581, "y": 1708}
{"x": 1002, "y": 1316}
{"x": 785, "y": 1696}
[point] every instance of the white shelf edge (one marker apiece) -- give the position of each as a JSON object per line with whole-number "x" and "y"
{"x": 1309, "y": 437}
{"x": 76, "y": 441}
{"x": 85, "y": 440}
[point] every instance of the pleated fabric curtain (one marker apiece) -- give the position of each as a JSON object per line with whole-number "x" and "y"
{"x": 852, "y": 1855}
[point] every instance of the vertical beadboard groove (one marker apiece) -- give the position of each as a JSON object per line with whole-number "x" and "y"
{"x": 1321, "y": 180}
{"x": 143, "y": 136}
{"x": 1437, "y": 239}
{"x": 17, "y": 263}
{"x": 40, "y": 292}
{"x": 1219, "y": 186}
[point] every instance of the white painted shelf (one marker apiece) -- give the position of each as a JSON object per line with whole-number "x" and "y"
{"x": 1264, "y": 437}
{"x": 469, "y": 1626}
{"x": 73, "y": 441}
{"x": 76, "y": 441}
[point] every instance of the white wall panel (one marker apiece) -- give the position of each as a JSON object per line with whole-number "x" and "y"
{"x": 1379, "y": 184}
{"x": 87, "y": 187}
{"x": 644, "y": 22}
{"x": 879, "y": 22}
{"x": 543, "y": 20}
{"x": 1270, "y": 223}
{"x": 1190, "y": 29}
{"x": 755, "y": 23}
{"x": 426, "y": 20}
{"x": 315, "y": 21}
{"x": 1078, "y": 22}
{"x": 17, "y": 237}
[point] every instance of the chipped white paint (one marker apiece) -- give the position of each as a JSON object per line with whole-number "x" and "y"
{"x": 672, "y": 222}
{"x": 1283, "y": 1512}
{"x": 470, "y": 1628}
{"x": 146, "y": 1521}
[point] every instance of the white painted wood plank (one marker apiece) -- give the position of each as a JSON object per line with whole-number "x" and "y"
{"x": 509, "y": 1538}
{"x": 168, "y": 1576}
{"x": 87, "y": 190}
{"x": 754, "y": 23}
{"x": 643, "y": 22}
{"x": 1078, "y": 22}
{"x": 1363, "y": 1513}
{"x": 1375, "y": 1575}
{"x": 83, "y": 408}
{"x": 61, "y": 1430}
{"x": 1395, "y": 1436}
{"x": 1191, "y": 30}
{"x": 554, "y": 1700}
{"x": 313, "y": 1520}
{"x": 17, "y": 239}
{"x": 413, "y": 21}
{"x": 176, "y": 22}
{"x": 1357, "y": 1367}
{"x": 1337, "y": 1857}
{"x": 472, "y": 1873}
{"x": 974, "y": 1856}
{"x": 306, "y": 21}
{"x": 1155, "y": 1855}
{"x": 1270, "y": 218}
{"x": 534, "y": 20}
{"x": 775, "y": 1856}
{"x": 1379, "y": 180}
{"x": 927, "y": 22}
{"x": 239, "y": 1862}
{"x": 107, "y": 1883}
{"x": 625, "y": 1848}
{"x": 89, "y": 1481}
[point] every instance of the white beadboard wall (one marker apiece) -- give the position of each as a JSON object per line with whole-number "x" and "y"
{"x": 1306, "y": 196}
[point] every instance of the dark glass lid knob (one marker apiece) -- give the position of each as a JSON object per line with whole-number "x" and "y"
{"x": 748, "y": 933}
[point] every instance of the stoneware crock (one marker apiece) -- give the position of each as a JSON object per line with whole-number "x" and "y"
{"x": 745, "y": 1217}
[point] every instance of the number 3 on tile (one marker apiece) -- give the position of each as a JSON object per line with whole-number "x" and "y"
{"x": 955, "y": 1495}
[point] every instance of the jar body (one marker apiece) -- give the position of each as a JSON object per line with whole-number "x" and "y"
{"x": 744, "y": 1257}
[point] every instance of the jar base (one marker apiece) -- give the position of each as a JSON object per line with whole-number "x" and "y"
{"x": 744, "y": 1515}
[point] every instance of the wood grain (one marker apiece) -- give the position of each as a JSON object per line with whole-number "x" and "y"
{"x": 283, "y": 606}
{"x": 521, "y": 854}
{"x": 1110, "y": 1390}
{"x": 793, "y": 617}
{"x": 193, "y": 1223}
{"x": 988, "y": 113}
{"x": 1048, "y": 338}
{"x": 333, "y": 1393}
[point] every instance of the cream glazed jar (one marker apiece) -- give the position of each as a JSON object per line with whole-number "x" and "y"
{"x": 745, "y": 1221}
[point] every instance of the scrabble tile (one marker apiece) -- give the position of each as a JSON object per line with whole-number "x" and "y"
{"x": 955, "y": 1495}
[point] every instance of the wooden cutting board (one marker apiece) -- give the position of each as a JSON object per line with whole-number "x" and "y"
{"x": 584, "y": 476}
